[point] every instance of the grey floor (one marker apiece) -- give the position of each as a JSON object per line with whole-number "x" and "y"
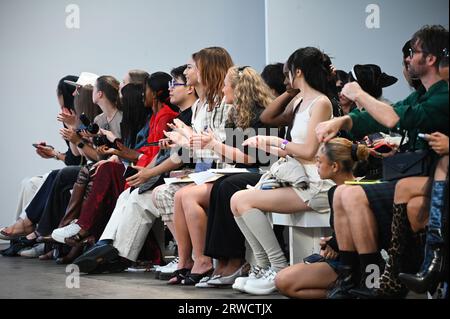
{"x": 32, "y": 278}
{"x": 22, "y": 278}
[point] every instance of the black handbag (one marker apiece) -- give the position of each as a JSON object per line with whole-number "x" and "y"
{"x": 407, "y": 164}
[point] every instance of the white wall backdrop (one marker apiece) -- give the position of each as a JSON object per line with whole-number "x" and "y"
{"x": 339, "y": 28}
{"x": 37, "y": 49}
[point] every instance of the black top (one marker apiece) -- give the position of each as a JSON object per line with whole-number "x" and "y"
{"x": 235, "y": 137}
{"x": 333, "y": 242}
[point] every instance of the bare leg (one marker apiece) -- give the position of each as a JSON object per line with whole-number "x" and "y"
{"x": 182, "y": 233}
{"x": 341, "y": 222}
{"x": 232, "y": 266}
{"x": 20, "y": 227}
{"x": 305, "y": 281}
{"x": 408, "y": 188}
{"x": 280, "y": 200}
{"x": 414, "y": 210}
{"x": 195, "y": 201}
{"x": 362, "y": 222}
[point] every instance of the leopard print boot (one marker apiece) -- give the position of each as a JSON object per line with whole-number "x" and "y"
{"x": 390, "y": 285}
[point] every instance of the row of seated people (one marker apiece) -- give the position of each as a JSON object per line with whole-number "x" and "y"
{"x": 98, "y": 211}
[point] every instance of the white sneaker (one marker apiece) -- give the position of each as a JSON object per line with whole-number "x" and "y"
{"x": 34, "y": 252}
{"x": 165, "y": 272}
{"x": 255, "y": 272}
{"x": 262, "y": 286}
{"x": 66, "y": 232}
{"x": 170, "y": 267}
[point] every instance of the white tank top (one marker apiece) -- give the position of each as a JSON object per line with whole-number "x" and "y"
{"x": 301, "y": 120}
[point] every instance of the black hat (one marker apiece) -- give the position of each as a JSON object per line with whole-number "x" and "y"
{"x": 372, "y": 79}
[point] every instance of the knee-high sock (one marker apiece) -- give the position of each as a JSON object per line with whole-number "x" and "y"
{"x": 258, "y": 251}
{"x": 261, "y": 229}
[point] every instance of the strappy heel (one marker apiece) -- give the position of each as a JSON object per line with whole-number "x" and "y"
{"x": 193, "y": 279}
{"x": 178, "y": 276}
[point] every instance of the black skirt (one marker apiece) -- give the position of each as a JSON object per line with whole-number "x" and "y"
{"x": 381, "y": 200}
{"x": 224, "y": 239}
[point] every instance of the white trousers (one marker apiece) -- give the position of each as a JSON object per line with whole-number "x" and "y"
{"x": 130, "y": 222}
{"x": 28, "y": 188}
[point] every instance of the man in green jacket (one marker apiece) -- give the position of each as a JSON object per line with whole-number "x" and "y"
{"x": 363, "y": 213}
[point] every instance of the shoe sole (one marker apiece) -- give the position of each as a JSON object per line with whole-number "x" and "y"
{"x": 58, "y": 238}
{"x": 259, "y": 292}
{"x": 88, "y": 264}
{"x": 165, "y": 275}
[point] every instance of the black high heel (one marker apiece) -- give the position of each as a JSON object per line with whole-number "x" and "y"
{"x": 427, "y": 280}
{"x": 178, "y": 276}
{"x": 192, "y": 279}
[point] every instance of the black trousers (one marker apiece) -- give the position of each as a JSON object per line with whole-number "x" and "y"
{"x": 49, "y": 206}
{"x": 36, "y": 207}
{"x": 224, "y": 239}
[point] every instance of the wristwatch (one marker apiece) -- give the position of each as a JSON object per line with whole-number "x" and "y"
{"x": 284, "y": 144}
{"x": 80, "y": 145}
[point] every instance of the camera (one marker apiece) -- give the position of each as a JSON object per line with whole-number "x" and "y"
{"x": 92, "y": 128}
{"x": 100, "y": 140}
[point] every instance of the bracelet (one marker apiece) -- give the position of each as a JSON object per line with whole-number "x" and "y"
{"x": 56, "y": 156}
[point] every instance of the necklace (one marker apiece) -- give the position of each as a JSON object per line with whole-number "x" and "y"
{"x": 108, "y": 126}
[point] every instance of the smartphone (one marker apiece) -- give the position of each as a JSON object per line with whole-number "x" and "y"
{"x": 383, "y": 148}
{"x": 130, "y": 171}
{"x": 36, "y": 145}
{"x": 314, "y": 258}
{"x": 156, "y": 143}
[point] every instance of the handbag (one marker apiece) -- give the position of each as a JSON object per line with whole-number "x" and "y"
{"x": 406, "y": 164}
{"x": 285, "y": 172}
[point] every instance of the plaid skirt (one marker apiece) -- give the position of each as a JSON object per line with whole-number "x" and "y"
{"x": 381, "y": 200}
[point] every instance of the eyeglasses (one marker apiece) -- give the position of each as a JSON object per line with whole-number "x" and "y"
{"x": 173, "y": 84}
{"x": 413, "y": 51}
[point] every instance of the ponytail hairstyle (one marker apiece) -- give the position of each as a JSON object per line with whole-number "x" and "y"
{"x": 346, "y": 153}
{"x": 315, "y": 66}
{"x": 213, "y": 64}
{"x": 250, "y": 92}
{"x": 110, "y": 88}
{"x": 158, "y": 82}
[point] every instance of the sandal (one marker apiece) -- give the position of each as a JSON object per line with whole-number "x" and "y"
{"x": 193, "y": 279}
{"x": 10, "y": 236}
{"x": 178, "y": 276}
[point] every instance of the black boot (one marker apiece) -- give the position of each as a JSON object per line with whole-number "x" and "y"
{"x": 428, "y": 279}
{"x": 432, "y": 268}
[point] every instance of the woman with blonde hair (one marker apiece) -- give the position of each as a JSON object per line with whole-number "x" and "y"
{"x": 336, "y": 161}
{"x": 244, "y": 88}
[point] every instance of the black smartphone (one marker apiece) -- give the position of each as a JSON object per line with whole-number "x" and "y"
{"x": 383, "y": 148}
{"x": 130, "y": 171}
{"x": 314, "y": 258}
{"x": 36, "y": 145}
